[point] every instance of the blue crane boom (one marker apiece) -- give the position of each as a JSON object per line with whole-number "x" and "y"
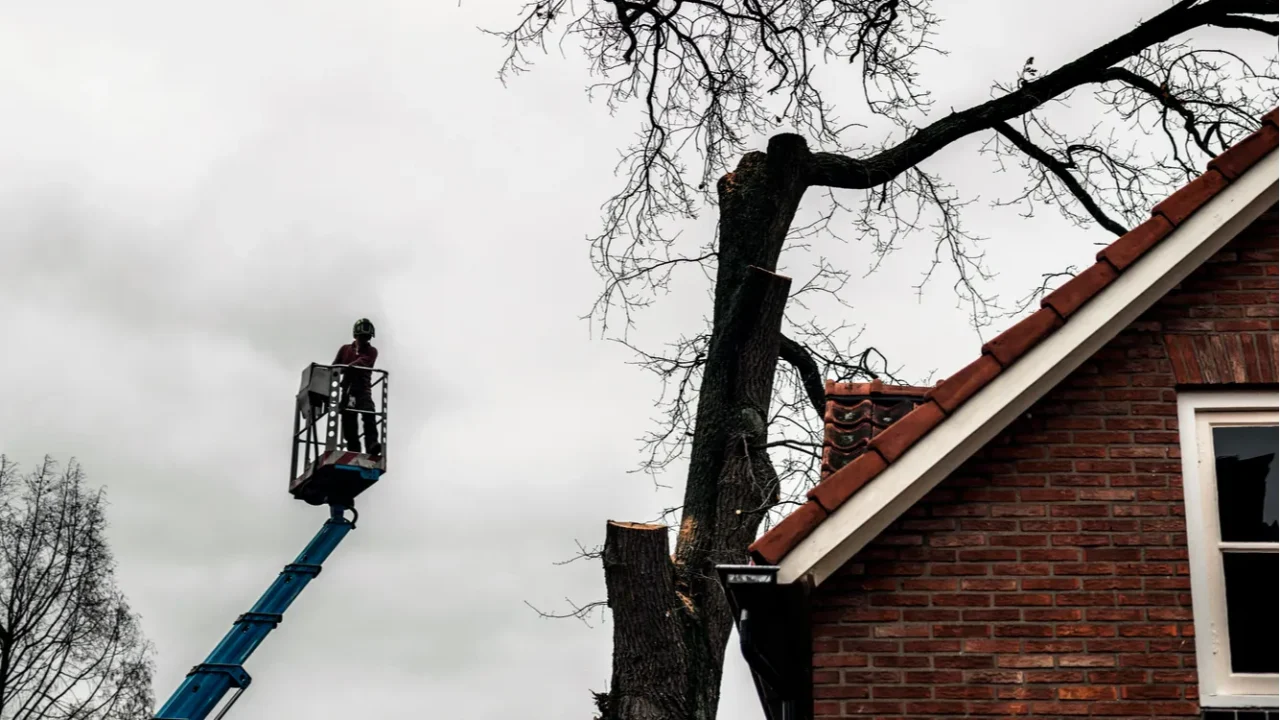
{"x": 207, "y": 683}
{"x": 321, "y": 473}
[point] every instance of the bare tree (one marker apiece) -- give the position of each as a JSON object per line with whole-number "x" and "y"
{"x": 744, "y": 406}
{"x": 70, "y": 648}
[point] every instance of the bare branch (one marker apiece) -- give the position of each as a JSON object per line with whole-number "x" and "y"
{"x": 797, "y": 355}
{"x": 1063, "y": 171}
{"x": 578, "y": 612}
{"x": 71, "y": 648}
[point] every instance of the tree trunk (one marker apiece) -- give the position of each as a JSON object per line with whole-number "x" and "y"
{"x": 649, "y": 676}
{"x": 731, "y": 480}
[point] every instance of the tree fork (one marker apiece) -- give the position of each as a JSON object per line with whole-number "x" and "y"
{"x": 758, "y": 201}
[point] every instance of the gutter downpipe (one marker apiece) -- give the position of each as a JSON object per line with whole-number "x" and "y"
{"x": 761, "y": 665}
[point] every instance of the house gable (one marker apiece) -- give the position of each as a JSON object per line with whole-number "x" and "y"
{"x": 1048, "y": 574}
{"x": 858, "y": 501}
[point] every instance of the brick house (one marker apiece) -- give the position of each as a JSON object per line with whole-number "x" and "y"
{"x": 1082, "y": 521}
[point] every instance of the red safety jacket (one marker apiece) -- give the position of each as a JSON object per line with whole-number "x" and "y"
{"x": 353, "y": 380}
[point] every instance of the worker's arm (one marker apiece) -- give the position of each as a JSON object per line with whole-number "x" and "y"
{"x": 345, "y": 378}
{"x": 366, "y": 358}
{"x": 363, "y": 358}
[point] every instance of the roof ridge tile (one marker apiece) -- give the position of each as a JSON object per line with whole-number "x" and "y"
{"x": 1025, "y": 334}
{"x": 1235, "y": 160}
{"x": 787, "y": 534}
{"x": 834, "y": 389}
{"x": 842, "y": 414}
{"x": 1190, "y": 197}
{"x": 952, "y": 392}
{"x": 1074, "y": 293}
{"x": 1132, "y": 245}
{"x": 843, "y": 483}
{"x": 896, "y": 439}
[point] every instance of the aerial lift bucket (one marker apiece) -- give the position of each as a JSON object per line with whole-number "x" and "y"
{"x": 323, "y": 470}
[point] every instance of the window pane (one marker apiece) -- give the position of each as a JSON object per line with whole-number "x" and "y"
{"x": 1253, "y": 583}
{"x": 1247, "y": 492}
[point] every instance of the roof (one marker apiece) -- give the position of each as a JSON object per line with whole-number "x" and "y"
{"x": 1060, "y": 309}
{"x": 856, "y": 413}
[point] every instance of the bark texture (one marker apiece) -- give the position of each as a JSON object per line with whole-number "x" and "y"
{"x": 649, "y": 669}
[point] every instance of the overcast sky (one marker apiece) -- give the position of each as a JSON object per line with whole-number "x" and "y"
{"x": 198, "y": 199}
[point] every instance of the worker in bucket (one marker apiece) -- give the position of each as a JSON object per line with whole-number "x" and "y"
{"x": 356, "y": 391}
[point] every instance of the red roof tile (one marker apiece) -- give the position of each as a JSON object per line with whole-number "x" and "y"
{"x": 952, "y": 392}
{"x": 1240, "y": 157}
{"x": 851, "y": 403}
{"x": 788, "y": 533}
{"x": 900, "y": 436}
{"x": 875, "y": 387}
{"x": 1013, "y": 343}
{"x": 857, "y": 412}
{"x": 1134, "y": 244}
{"x": 1188, "y": 199}
{"x": 1080, "y": 289}
{"x": 841, "y": 486}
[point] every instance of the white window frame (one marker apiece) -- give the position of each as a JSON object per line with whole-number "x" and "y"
{"x": 1198, "y": 411}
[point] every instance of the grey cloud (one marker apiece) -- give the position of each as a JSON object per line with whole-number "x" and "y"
{"x": 199, "y": 200}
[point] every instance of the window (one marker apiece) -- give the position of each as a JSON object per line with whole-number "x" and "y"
{"x": 1230, "y": 448}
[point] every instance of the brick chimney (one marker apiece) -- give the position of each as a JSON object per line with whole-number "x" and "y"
{"x": 857, "y": 412}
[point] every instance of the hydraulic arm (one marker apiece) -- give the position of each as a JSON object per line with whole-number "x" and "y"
{"x": 207, "y": 683}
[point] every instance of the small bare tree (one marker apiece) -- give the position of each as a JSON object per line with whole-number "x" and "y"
{"x": 712, "y": 79}
{"x": 70, "y": 647}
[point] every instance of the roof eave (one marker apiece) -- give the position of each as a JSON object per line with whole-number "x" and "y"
{"x": 976, "y": 422}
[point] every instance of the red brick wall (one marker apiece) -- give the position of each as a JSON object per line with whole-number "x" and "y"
{"x": 1048, "y": 576}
